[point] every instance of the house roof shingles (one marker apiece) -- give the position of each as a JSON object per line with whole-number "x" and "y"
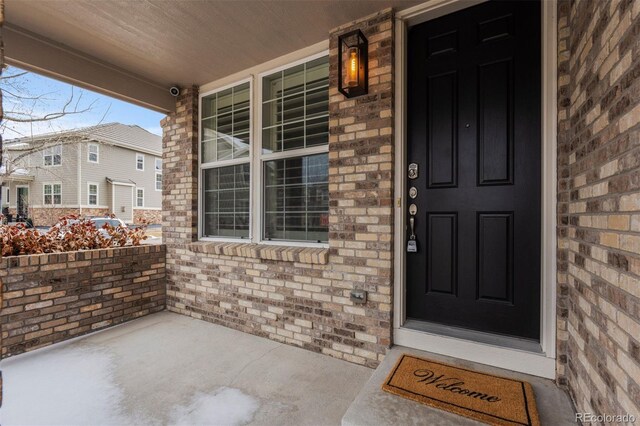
{"x": 128, "y": 136}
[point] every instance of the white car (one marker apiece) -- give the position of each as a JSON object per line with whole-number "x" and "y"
{"x": 99, "y": 223}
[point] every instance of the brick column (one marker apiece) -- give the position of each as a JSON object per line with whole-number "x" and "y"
{"x": 180, "y": 191}
{"x": 180, "y": 171}
{"x": 361, "y": 180}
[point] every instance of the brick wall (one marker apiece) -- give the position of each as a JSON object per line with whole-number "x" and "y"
{"x": 599, "y": 204}
{"x": 147, "y": 215}
{"x": 295, "y": 295}
{"x": 49, "y": 298}
{"x": 50, "y": 216}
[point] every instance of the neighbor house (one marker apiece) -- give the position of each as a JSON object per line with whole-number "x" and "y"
{"x": 106, "y": 169}
{"x": 478, "y": 196}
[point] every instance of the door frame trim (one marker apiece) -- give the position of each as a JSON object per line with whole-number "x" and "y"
{"x": 540, "y": 363}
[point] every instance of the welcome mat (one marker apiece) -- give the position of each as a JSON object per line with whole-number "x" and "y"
{"x": 484, "y": 397}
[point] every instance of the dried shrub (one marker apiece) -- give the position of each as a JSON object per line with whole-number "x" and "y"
{"x": 71, "y": 233}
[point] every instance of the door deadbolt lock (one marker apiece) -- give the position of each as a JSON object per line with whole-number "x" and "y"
{"x": 413, "y": 171}
{"x": 413, "y": 192}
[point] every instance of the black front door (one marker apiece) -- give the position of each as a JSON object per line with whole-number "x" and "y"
{"x": 474, "y": 132}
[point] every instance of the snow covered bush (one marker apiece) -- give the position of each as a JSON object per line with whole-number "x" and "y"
{"x": 71, "y": 233}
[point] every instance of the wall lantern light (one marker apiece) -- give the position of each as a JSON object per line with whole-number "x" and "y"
{"x": 353, "y": 67}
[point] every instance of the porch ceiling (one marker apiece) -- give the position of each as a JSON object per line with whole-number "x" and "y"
{"x": 137, "y": 49}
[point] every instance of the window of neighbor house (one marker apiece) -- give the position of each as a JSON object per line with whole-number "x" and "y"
{"x": 139, "y": 197}
{"x": 139, "y": 161}
{"x": 93, "y": 153}
{"x": 52, "y": 194}
{"x": 295, "y": 136}
{"x": 52, "y": 156}
{"x": 158, "y": 174}
{"x": 93, "y": 194}
{"x": 225, "y": 162}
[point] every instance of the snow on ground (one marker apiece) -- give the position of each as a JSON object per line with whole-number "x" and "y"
{"x": 38, "y": 393}
{"x": 74, "y": 385}
{"x": 227, "y": 406}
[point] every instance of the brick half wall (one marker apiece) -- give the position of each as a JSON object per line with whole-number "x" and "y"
{"x": 50, "y": 298}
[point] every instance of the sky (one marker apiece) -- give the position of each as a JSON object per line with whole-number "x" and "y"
{"x": 33, "y": 95}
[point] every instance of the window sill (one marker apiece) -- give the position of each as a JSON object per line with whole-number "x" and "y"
{"x": 309, "y": 255}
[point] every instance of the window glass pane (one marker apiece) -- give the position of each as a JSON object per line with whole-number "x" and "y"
{"x": 317, "y": 73}
{"x": 293, "y": 80}
{"x": 225, "y": 134}
{"x": 209, "y": 129}
{"x": 225, "y": 102}
{"x": 241, "y": 121}
{"x": 241, "y": 146}
{"x": 272, "y": 86}
{"x": 296, "y": 199}
{"x": 241, "y": 96}
{"x": 317, "y": 131}
{"x": 272, "y": 113}
{"x": 226, "y": 201}
{"x": 293, "y": 108}
{"x": 224, "y": 148}
{"x": 293, "y": 136}
{"x": 317, "y": 103}
{"x": 208, "y": 106}
{"x": 272, "y": 140}
{"x": 294, "y": 99}
{"x": 225, "y": 125}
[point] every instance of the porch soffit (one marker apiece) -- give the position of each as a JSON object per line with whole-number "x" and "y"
{"x": 136, "y": 50}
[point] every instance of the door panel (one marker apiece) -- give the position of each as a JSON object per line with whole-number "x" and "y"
{"x": 474, "y": 130}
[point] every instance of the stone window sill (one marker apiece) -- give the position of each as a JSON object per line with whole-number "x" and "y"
{"x": 310, "y": 255}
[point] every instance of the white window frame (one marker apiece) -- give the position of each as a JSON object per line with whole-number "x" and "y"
{"x": 89, "y": 146}
{"x": 156, "y": 181}
{"x": 52, "y": 151}
{"x": 89, "y": 185}
{"x": 256, "y": 158}
{"x": 52, "y": 184}
{"x": 262, "y": 158}
{"x": 136, "y": 198}
{"x": 158, "y": 160}
{"x": 226, "y": 163}
{"x": 139, "y": 156}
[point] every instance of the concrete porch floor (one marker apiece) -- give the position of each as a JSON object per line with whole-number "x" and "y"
{"x": 171, "y": 369}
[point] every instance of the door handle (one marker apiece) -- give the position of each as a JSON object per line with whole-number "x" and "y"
{"x": 412, "y": 223}
{"x": 412, "y": 244}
